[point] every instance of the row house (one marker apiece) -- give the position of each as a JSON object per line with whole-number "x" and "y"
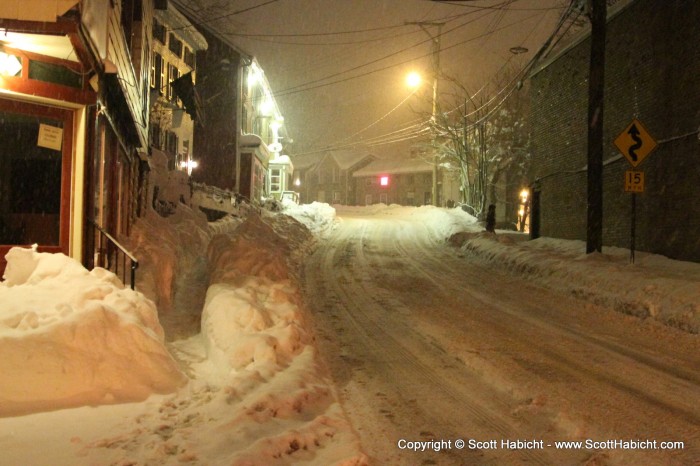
{"x": 244, "y": 127}
{"x": 328, "y": 177}
{"x": 175, "y": 108}
{"x": 74, "y": 91}
{"x": 406, "y": 182}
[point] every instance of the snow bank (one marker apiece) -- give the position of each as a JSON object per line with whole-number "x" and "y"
{"x": 69, "y": 337}
{"x": 318, "y": 217}
{"x": 163, "y": 245}
{"x": 259, "y": 348}
{"x": 654, "y": 286}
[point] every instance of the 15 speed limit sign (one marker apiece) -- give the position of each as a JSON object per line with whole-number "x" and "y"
{"x": 634, "y": 181}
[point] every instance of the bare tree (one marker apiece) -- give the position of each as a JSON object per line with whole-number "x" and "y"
{"x": 482, "y": 136}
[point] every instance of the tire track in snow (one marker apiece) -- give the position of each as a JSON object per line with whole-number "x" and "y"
{"x": 343, "y": 261}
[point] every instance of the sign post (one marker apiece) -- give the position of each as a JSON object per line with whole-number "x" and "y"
{"x": 635, "y": 143}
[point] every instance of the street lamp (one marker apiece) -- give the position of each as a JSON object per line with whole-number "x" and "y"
{"x": 435, "y": 39}
{"x": 413, "y": 79}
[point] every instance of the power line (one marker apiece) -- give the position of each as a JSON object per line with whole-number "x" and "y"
{"x": 228, "y": 15}
{"x": 295, "y": 89}
{"x": 510, "y": 87}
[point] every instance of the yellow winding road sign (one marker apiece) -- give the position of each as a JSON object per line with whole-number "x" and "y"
{"x": 635, "y": 143}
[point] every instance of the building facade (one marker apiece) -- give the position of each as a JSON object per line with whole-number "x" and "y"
{"x": 74, "y": 90}
{"x": 407, "y": 182}
{"x": 652, "y": 74}
{"x": 328, "y": 177}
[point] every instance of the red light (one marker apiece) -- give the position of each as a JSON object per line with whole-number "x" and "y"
{"x": 384, "y": 180}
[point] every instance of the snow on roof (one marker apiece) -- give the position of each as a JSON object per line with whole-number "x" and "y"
{"x": 302, "y": 162}
{"x": 348, "y": 158}
{"x": 250, "y": 140}
{"x": 182, "y": 27}
{"x": 394, "y": 166}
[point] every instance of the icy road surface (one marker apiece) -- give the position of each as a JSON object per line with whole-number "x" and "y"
{"x": 428, "y": 345}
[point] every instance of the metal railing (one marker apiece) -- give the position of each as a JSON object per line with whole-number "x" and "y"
{"x": 109, "y": 254}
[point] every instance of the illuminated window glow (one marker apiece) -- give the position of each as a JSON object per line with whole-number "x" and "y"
{"x": 384, "y": 180}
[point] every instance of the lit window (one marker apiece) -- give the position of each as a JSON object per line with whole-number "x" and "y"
{"x": 384, "y": 180}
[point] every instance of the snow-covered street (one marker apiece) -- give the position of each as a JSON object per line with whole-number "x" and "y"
{"x": 345, "y": 335}
{"x": 431, "y": 343}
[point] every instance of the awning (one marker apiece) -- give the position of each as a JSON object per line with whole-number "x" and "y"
{"x": 184, "y": 89}
{"x": 42, "y": 10}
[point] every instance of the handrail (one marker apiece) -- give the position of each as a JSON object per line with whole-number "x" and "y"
{"x": 105, "y": 253}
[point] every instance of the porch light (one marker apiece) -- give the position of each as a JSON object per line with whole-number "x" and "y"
{"x": 188, "y": 165}
{"x": 524, "y": 195}
{"x": 10, "y": 65}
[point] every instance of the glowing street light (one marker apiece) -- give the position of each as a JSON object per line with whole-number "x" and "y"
{"x": 413, "y": 79}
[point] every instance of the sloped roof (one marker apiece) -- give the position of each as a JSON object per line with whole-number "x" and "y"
{"x": 302, "y": 162}
{"x": 178, "y": 22}
{"x": 349, "y": 158}
{"x": 345, "y": 159}
{"x": 395, "y": 167}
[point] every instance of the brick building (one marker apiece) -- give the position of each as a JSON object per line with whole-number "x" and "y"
{"x": 652, "y": 74}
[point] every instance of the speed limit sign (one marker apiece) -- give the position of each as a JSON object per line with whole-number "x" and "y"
{"x": 634, "y": 181}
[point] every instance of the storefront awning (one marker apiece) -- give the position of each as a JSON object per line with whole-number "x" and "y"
{"x": 184, "y": 89}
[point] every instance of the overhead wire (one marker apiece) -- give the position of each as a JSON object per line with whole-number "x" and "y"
{"x": 224, "y": 16}
{"x": 511, "y": 86}
{"x": 295, "y": 89}
{"x": 371, "y": 62}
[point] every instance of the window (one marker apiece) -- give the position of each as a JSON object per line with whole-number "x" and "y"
{"x": 55, "y": 73}
{"x": 334, "y": 174}
{"x": 275, "y": 179}
{"x": 157, "y": 73}
{"x": 189, "y": 57}
{"x": 320, "y": 176}
{"x": 158, "y": 31}
{"x": 175, "y": 45}
{"x": 173, "y": 74}
{"x": 35, "y": 176}
{"x": 171, "y": 143}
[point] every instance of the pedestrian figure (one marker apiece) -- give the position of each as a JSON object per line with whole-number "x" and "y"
{"x": 491, "y": 219}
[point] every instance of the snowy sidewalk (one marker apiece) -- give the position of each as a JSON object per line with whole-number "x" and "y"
{"x": 653, "y": 287}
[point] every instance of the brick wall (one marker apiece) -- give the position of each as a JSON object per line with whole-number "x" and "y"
{"x": 653, "y": 74}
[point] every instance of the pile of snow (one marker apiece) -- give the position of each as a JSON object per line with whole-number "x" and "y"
{"x": 259, "y": 354}
{"x": 69, "y": 337}
{"x": 318, "y": 217}
{"x": 258, "y": 391}
{"x": 653, "y": 286}
{"x": 163, "y": 245}
{"x": 443, "y": 222}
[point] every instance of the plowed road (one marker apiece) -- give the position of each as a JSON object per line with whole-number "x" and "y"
{"x": 428, "y": 347}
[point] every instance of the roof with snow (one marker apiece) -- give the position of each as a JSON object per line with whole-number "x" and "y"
{"x": 179, "y": 23}
{"x": 349, "y": 158}
{"x": 302, "y": 162}
{"x": 395, "y": 166}
{"x": 345, "y": 159}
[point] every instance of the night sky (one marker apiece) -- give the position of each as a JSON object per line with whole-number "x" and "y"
{"x": 338, "y": 67}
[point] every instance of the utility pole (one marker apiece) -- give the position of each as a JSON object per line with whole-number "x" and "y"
{"x": 436, "y": 72}
{"x": 596, "y": 81}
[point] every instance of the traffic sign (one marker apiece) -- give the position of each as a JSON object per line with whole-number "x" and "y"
{"x": 634, "y": 181}
{"x": 635, "y": 143}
